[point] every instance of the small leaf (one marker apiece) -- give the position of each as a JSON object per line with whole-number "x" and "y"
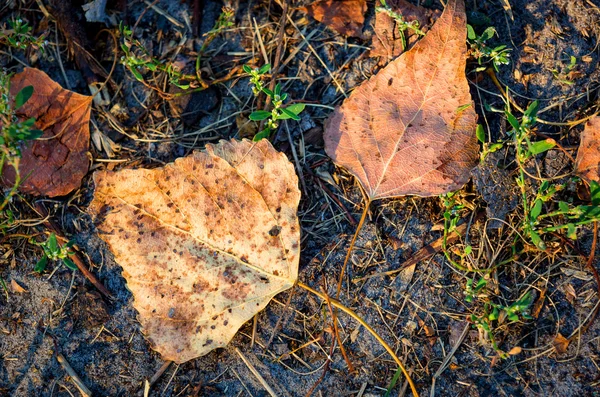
{"x": 536, "y": 210}
{"x": 471, "y": 33}
{"x": 595, "y": 192}
{"x": 138, "y": 76}
{"x": 268, "y": 92}
{"x": 564, "y": 207}
{"x": 514, "y": 351}
{"x": 41, "y": 264}
{"x": 247, "y": 69}
{"x": 53, "y": 243}
{"x": 287, "y": 114}
{"x": 488, "y": 33}
{"x": 480, "y": 133}
{"x": 262, "y": 135}
{"x": 264, "y": 69}
{"x": 296, "y": 108}
{"x": 278, "y": 89}
{"x": 512, "y": 120}
{"x": 571, "y": 231}
{"x": 537, "y": 240}
{"x": 69, "y": 263}
{"x": 23, "y": 96}
{"x": 259, "y": 115}
{"x": 541, "y": 146}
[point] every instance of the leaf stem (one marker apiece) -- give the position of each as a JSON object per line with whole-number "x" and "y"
{"x": 360, "y": 225}
{"x": 351, "y": 313}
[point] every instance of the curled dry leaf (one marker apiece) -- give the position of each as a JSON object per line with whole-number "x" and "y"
{"x": 560, "y": 344}
{"x": 344, "y": 16}
{"x": 387, "y": 41}
{"x": 204, "y": 242}
{"x": 55, "y": 164}
{"x": 587, "y": 163}
{"x": 410, "y": 129}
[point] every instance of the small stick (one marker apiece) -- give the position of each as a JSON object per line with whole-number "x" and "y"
{"x": 76, "y": 258}
{"x": 336, "y": 331}
{"x": 74, "y": 377}
{"x": 362, "y": 322}
{"x": 252, "y": 369}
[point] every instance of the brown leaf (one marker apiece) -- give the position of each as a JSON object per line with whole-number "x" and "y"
{"x": 344, "y": 16}
{"x": 387, "y": 41}
{"x": 16, "y": 287}
{"x": 204, "y": 242}
{"x": 560, "y": 344}
{"x": 55, "y": 164}
{"x": 410, "y": 129}
{"x": 587, "y": 163}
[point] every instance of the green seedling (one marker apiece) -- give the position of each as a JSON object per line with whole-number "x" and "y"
{"x": 526, "y": 149}
{"x": 487, "y": 147}
{"x": 54, "y": 252}
{"x": 401, "y": 24}
{"x": 497, "y": 314}
{"x": 565, "y": 75}
{"x": 12, "y": 135}
{"x": 484, "y": 53}
{"x": 18, "y": 35}
{"x": 138, "y": 59}
{"x": 279, "y": 112}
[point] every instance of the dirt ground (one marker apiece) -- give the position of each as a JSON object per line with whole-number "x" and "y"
{"x": 420, "y": 311}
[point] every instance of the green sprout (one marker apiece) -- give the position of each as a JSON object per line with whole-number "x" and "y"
{"x": 277, "y": 98}
{"x": 400, "y": 22}
{"x": 55, "y": 252}
{"x": 498, "y": 55}
{"x": 19, "y": 36}
{"x": 12, "y": 135}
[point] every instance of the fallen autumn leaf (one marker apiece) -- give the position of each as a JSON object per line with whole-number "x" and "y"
{"x": 204, "y": 242}
{"x": 410, "y": 129}
{"x": 587, "y": 163}
{"x": 344, "y": 16}
{"x": 55, "y": 164}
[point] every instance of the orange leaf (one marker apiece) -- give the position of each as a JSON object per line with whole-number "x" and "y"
{"x": 55, "y": 164}
{"x": 587, "y": 163}
{"x": 410, "y": 129}
{"x": 344, "y": 16}
{"x": 560, "y": 344}
{"x": 204, "y": 242}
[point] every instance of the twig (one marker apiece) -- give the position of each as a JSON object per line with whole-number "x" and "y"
{"x": 362, "y": 322}
{"x": 76, "y": 258}
{"x": 448, "y": 357}
{"x": 252, "y": 369}
{"x": 336, "y": 332}
{"x": 74, "y": 377}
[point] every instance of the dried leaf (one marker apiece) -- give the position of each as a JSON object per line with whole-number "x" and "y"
{"x": 344, "y": 16}
{"x": 410, "y": 129}
{"x": 587, "y": 163}
{"x": 16, "y": 287}
{"x": 387, "y": 41}
{"x": 560, "y": 344}
{"x": 204, "y": 242}
{"x": 55, "y": 164}
{"x": 515, "y": 351}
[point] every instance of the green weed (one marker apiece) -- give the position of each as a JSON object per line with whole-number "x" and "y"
{"x": 277, "y": 98}
{"x": 485, "y": 54}
{"x": 54, "y": 252}
{"x": 401, "y": 24}
{"x": 13, "y": 134}
{"x": 18, "y": 35}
